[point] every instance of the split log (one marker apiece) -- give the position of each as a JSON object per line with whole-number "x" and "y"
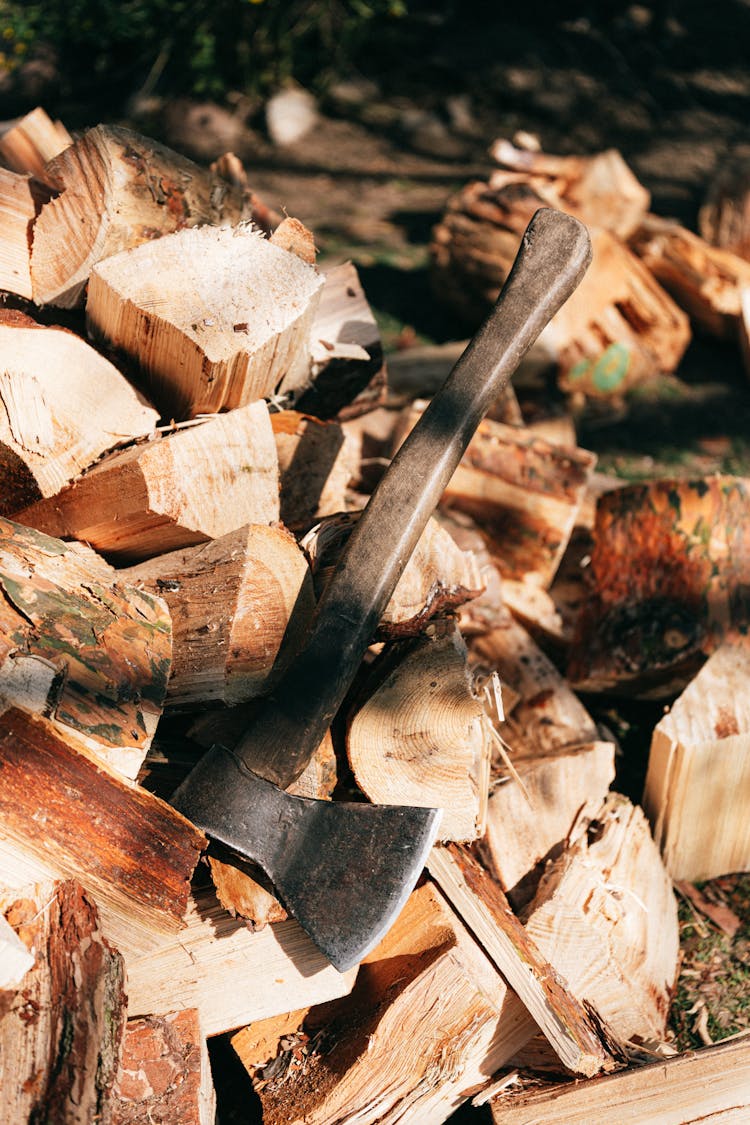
{"x": 20, "y": 201}
{"x": 189, "y": 486}
{"x": 707, "y": 1085}
{"x": 600, "y": 190}
{"x": 699, "y": 761}
{"x": 229, "y": 974}
{"x": 438, "y": 578}
{"x": 34, "y": 140}
{"x": 230, "y": 169}
{"x": 706, "y": 282}
{"x": 724, "y": 218}
{"x": 428, "y": 1023}
{"x": 669, "y": 576}
{"x": 605, "y": 916}
{"x": 215, "y": 317}
{"x": 128, "y": 848}
{"x": 316, "y": 462}
{"x": 239, "y": 607}
{"x": 561, "y": 770}
{"x": 420, "y": 738}
{"x": 164, "y": 1073}
{"x": 524, "y": 493}
{"x": 77, "y": 646}
{"x": 60, "y": 1035}
{"x": 478, "y": 900}
{"x": 117, "y": 189}
{"x": 64, "y": 406}
{"x": 481, "y": 613}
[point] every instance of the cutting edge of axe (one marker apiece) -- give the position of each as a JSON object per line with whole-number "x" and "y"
{"x": 344, "y": 870}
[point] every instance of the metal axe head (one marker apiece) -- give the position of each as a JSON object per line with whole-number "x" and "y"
{"x": 328, "y": 861}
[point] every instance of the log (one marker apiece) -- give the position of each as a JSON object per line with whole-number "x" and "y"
{"x": 523, "y": 492}
{"x": 30, "y": 143}
{"x": 699, "y": 760}
{"x": 706, "y": 282}
{"x": 724, "y": 218}
{"x": 128, "y": 848}
{"x": 78, "y": 646}
{"x": 15, "y": 960}
{"x": 481, "y": 613}
{"x": 438, "y": 578}
{"x": 669, "y": 576}
{"x": 605, "y": 916}
{"x": 186, "y": 487}
{"x": 229, "y": 974}
{"x": 316, "y": 462}
{"x": 698, "y": 1086}
{"x": 20, "y": 200}
{"x": 239, "y": 607}
{"x": 562, "y": 770}
{"x": 164, "y": 1073}
{"x": 64, "y": 406}
{"x": 214, "y": 317}
{"x": 116, "y": 190}
{"x": 60, "y": 1035}
{"x": 571, "y": 1031}
{"x": 429, "y": 1022}
{"x": 419, "y": 738}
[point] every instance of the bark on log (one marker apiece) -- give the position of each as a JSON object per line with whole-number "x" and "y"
{"x": 128, "y": 848}
{"x": 420, "y": 736}
{"x": 20, "y": 200}
{"x": 164, "y": 1076}
{"x": 60, "y": 1035}
{"x": 117, "y": 189}
{"x": 64, "y": 406}
{"x": 428, "y": 986}
{"x": 699, "y": 761}
{"x": 669, "y": 575}
{"x": 77, "y": 646}
{"x": 30, "y": 144}
{"x": 706, "y": 282}
{"x": 189, "y": 486}
{"x": 239, "y": 607}
{"x": 215, "y": 318}
{"x": 316, "y": 462}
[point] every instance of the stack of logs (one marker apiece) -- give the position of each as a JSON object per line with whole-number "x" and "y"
{"x": 174, "y": 495}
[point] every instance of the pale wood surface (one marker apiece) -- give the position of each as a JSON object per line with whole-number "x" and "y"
{"x": 33, "y": 141}
{"x": 316, "y": 462}
{"x": 20, "y": 199}
{"x": 191, "y": 485}
{"x": 215, "y": 317}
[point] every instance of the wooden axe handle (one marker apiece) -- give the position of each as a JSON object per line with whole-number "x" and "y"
{"x": 554, "y": 254}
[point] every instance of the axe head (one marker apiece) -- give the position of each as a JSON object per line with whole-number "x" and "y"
{"x": 343, "y": 870}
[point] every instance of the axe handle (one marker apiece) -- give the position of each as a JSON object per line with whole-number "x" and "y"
{"x": 554, "y": 254}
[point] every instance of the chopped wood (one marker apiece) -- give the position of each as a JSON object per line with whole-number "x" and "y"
{"x": 480, "y": 902}
{"x": 60, "y": 1034}
{"x": 231, "y": 975}
{"x": 316, "y": 462}
{"x": 215, "y": 317}
{"x": 420, "y": 739}
{"x": 600, "y": 190}
{"x": 117, "y": 189}
{"x": 80, "y": 647}
{"x": 183, "y": 488}
{"x": 30, "y": 143}
{"x": 524, "y": 492}
{"x": 698, "y": 1086}
{"x": 706, "y": 282}
{"x": 128, "y": 848}
{"x": 605, "y": 916}
{"x": 239, "y": 606}
{"x": 724, "y": 218}
{"x": 481, "y": 613}
{"x": 230, "y": 168}
{"x": 20, "y": 200}
{"x": 429, "y": 1022}
{"x": 164, "y": 1073}
{"x": 669, "y": 575}
{"x": 438, "y": 577}
{"x": 292, "y": 235}
{"x": 699, "y": 760}
{"x": 561, "y": 770}
{"x": 64, "y": 406}
{"x": 15, "y": 959}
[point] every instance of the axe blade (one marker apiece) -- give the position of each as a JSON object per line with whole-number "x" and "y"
{"x": 328, "y": 860}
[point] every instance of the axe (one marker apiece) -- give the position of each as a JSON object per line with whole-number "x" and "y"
{"x": 344, "y": 870}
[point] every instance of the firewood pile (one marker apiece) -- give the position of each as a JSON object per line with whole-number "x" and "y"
{"x": 194, "y": 415}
